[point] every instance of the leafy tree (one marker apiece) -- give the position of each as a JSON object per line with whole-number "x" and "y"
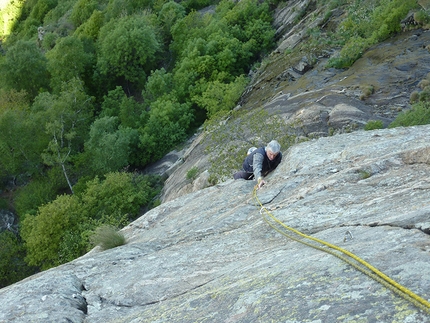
{"x": 20, "y": 144}
{"x": 54, "y": 16}
{"x": 250, "y": 22}
{"x": 169, "y": 14}
{"x": 91, "y": 27}
{"x": 20, "y": 141}
{"x": 366, "y": 25}
{"x": 68, "y": 60}
{"x": 67, "y": 117}
{"x": 39, "y": 190}
{"x": 218, "y": 48}
{"x": 221, "y": 96}
{"x": 82, "y": 11}
{"x": 61, "y": 229}
{"x": 119, "y": 8}
{"x": 194, "y": 5}
{"x": 190, "y": 28}
{"x": 43, "y": 232}
{"x": 24, "y": 68}
{"x": 387, "y": 17}
{"x": 127, "y": 48}
{"x": 12, "y": 265}
{"x": 10, "y": 12}
{"x": 167, "y": 126}
{"x": 49, "y": 40}
{"x": 159, "y": 83}
{"x": 117, "y": 104}
{"x": 117, "y": 199}
{"x": 41, "y": 8}
{"x": 110, "y": 145}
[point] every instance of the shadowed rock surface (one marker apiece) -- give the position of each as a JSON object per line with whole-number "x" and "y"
{"x": 210, "y": 257}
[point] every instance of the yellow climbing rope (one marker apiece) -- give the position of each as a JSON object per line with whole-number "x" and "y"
{"x": 344, "y": 255}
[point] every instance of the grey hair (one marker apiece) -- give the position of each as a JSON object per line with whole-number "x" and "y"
{"x": 274, "y": 146}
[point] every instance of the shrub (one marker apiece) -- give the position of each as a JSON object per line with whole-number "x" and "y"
{"x": 374, "y": 124}
{"x": 414, "y": 98}
{"x": 192, "y": 173}
{"x": 366, "y": 91}
{"x": 107, "y": 237}
{"x": 425, "y": 95}
{"x": 424, "y": 83}
{"x": 419, "y": 114}
{"x": 422, "y": 17}
{"x": 366, "y": 25}
{"x": 352, "y": 51}
{"x": 364, "y": 174}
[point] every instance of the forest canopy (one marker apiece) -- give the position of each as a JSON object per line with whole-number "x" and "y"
{"x": 91, "y": 92}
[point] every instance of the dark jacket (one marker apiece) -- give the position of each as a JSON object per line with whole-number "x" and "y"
{"x": 258, "y": 163}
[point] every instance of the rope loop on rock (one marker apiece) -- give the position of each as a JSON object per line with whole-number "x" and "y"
{"x": 344, "y": 255}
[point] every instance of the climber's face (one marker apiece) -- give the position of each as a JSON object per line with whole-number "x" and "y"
{"x": 271, "y": 155}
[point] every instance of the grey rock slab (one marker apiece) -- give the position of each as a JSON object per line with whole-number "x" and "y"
{"x": 213, "y": 256}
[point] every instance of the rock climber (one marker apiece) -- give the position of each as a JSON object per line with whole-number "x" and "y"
{"x": 259, "y": 162}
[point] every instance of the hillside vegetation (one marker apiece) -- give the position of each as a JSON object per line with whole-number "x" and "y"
{"x": 91, "y": 92}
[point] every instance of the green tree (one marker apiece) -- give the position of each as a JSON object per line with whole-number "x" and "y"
{"x": 66, "y": 120}
{"x": 91, "y": 27}
{"x": 39, "y": 190}
{"x": 68, "y": 60}
{"x": 249, "y": 21}
{"x": 120, "y": 8}
{"x": 191, "y": 27}
{"x": 221, "y": 96}
{"x": 41, "y": 8}
{"x": 24, "y": 68}
{"x": 159, "y": 83}
{"x": 20, "y": 141}
{"x": 61, "y": 229}
{"x": 43, "y": 232}
{"x": 169, "y": 14}
{"x": 82, "y": 11}
{"x": 127, "y": 49}
{"x": 12, "y": 265}
{"x": 117, "y": 199}
{"x": 10, "y": 12}
{"x": 110, "y": 145}
{"x": 117, "y": 104}
{"x": 167, "y": 126}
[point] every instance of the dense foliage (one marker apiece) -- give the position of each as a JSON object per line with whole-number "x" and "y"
{"x": 91, "y": 92}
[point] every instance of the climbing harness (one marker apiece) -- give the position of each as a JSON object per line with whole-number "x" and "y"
{"x": 342, "y": 254}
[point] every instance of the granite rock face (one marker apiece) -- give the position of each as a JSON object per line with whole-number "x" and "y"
{"x": 210, "y": 256}
{"x": 324, "y": 101}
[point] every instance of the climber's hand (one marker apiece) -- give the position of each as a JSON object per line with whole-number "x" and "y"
{"x": 261, "y": 182}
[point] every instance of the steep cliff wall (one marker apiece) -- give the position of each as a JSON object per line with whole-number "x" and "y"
{"x": 324, "y": 101}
